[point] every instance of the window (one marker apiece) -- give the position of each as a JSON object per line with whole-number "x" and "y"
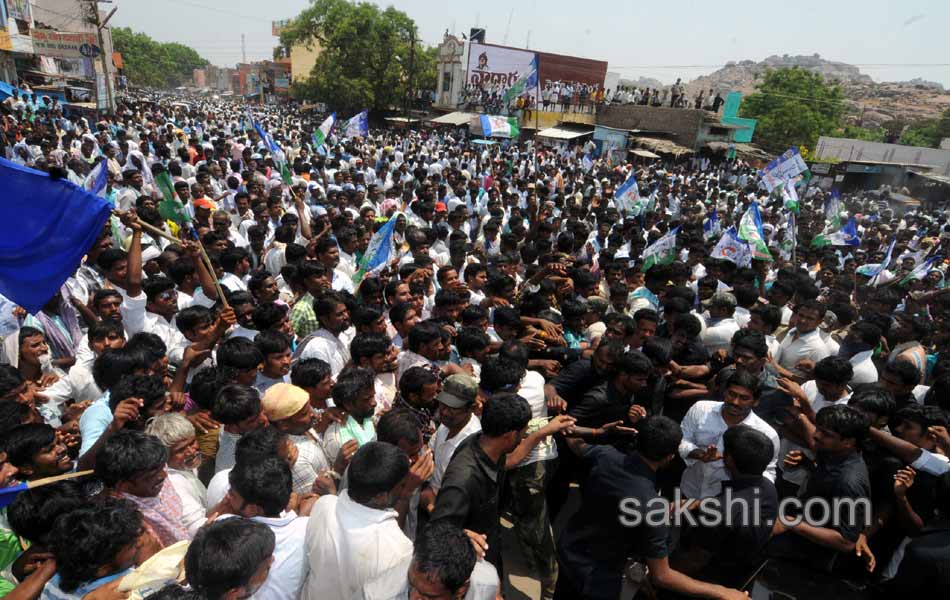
{"x": 447, "y": 80}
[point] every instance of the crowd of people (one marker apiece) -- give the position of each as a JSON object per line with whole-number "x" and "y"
{"x": 281, "y": 421}
{"x": 580, "y": 97}
{"x": 558, "y": 96}
{"x": 674, "y": 97}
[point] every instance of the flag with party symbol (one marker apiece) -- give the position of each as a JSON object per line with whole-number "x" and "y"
{"x": 750, "y": 230}
{"x": 730, "y": 247}
{"x": 660, "y": 252}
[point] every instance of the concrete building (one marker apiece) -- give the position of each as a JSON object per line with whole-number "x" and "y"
{"x": 301, "y": 57}
{"x": 689, "y": 129}
{"x": 215, "y": 79}
{"x": 267, "y": 76}
{"x": 450, "y": 63}
{"x": 52, "y": 45}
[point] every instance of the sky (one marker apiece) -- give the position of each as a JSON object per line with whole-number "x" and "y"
{"x": 890, "y": 41}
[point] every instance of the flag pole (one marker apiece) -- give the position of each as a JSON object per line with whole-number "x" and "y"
{"x": 794, "y": 234}
{"x": 204, "y": 255}
{"x": 48, "y": 480}
{"x": 537, "y": 109}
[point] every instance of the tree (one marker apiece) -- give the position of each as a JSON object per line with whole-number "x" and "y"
{"x": 426, "y": 71}
{"x": 155, "y": 64}
{"x": 863, "y": 133}
{"x": 793, "y": 107}
{"x": 364, "y": 58}
{"x": 922, "y": 133}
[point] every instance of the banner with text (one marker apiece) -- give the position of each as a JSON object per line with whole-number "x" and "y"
{"x": 491, "y": 66}
{"x": 65, "y": 44}
{"x": 784, "y": 167}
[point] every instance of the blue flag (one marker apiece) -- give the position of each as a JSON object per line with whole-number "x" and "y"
{"x": 846, "y": 236}
{"x": 46, "y": 226}
{"x": 269, "y": 142}
{"x": 627, "y": 195}
{"x": 378, "y": 252}
{"x": 97, "y": 179}
{"x": 358, "y": 125}
{"x": 712, "y": 226}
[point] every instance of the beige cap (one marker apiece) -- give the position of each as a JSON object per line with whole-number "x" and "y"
{"x": 283, "y": 400}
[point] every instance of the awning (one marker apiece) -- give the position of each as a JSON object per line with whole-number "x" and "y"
{"x": 562, "y": 133}
{"x": 933, "y": 177}
{"x": 457, "y": 118}
{"x": 661, "y": 146}
{"x": 745, "y": 151}
{"x": 732, "y": 126}
{"x": 645, "y": 154}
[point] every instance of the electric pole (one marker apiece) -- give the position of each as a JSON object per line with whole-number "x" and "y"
{"x": 409, "y": 94}
{"x": 100, "y": 25}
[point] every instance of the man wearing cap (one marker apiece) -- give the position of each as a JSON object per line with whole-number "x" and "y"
{"x": 456, "y": 404}
{"x": 203, "y": 209}
{"x": 288, "y": 409}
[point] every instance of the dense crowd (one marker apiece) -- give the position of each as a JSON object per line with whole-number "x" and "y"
{"x": 675, "y": 96}
{"x": 558, "y": 96}
{"x": 282, "y": 421}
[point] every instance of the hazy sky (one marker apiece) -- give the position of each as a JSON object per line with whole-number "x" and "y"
{"x": 888, "y": 40}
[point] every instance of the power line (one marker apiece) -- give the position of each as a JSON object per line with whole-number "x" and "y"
{"x": 757, "y": 64}
{"x": 71, "y": 17}
{"x": 221, "y": 11}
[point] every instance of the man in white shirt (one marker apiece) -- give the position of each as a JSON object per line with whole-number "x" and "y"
{"x": 858, "y": 347}
{"x": 222, "y": 223}
{"x": 703, "y": 426}
{"x": 456, "y": 414}
{"x": 260, "y": 490}
{"x": 154, "y": 312}
{"x": 721, "y": 324}
{"x": 355, "y": 537}
{"x": 328, "y": 253}
{"x": 236, "y": 263}
{"x": 331, "y": 342}
{"x": 803, "y": 341}
{"x": 829, "y": 387}
{"x": 440, "y": 549}
{"x": 347, "y": 252}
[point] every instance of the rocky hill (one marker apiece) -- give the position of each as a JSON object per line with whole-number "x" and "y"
{"x": 871, "y": 103}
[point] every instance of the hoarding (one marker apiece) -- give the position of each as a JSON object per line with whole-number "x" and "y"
{"x": 18, "y": 9}
{"x": 65, "y": 44}
{"x": 489, "y": 65}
